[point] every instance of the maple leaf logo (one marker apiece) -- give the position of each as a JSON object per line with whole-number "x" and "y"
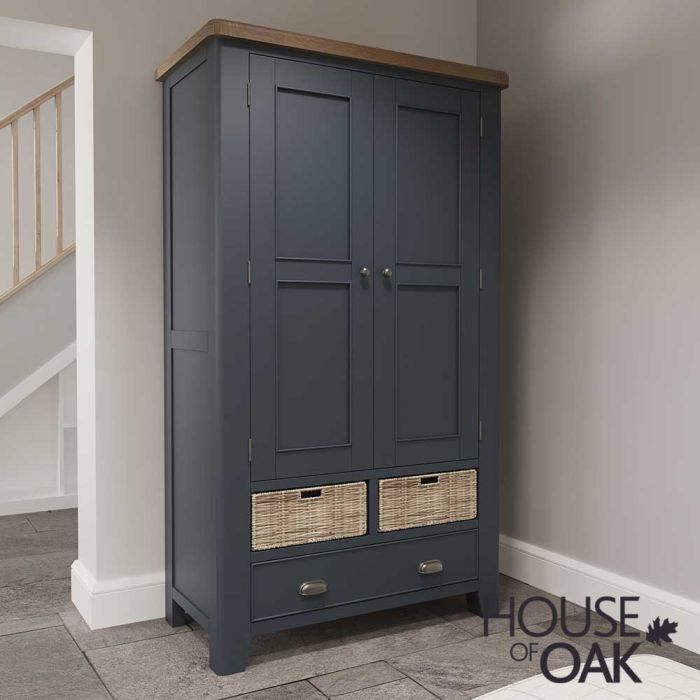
{"x": 658, "y": 631}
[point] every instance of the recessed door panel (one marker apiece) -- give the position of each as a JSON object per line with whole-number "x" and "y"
{"x": 313, "y": 175}
{"x": 428, "y": 186}
{"x": 427, "y": 362}
{"x": 427, "y": 286}
{"x": 313, "y": 365}
{"x": 311, "y": 235}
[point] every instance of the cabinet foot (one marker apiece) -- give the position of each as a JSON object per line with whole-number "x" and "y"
{"x": 483, "y": 603}
{"x": 227, "y": 655}
{"x": 174, "y": 614}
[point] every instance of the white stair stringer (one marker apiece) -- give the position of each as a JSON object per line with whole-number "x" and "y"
{"x": 36, "y": 379}
{"x": 61, "y": 368}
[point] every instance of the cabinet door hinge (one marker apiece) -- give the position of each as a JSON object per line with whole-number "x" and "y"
{"x": 481, "y": 429}
{"x": 481, "y": 278}
{"x": 250, "y": 272}
{"x": 247, "y": 94}
{"x": 481, "y": 127}
{"x": 250, "y": 450}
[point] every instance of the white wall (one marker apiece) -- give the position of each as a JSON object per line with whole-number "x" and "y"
{"x": 37, "y": 323}
{"x": 29, "y": 446}
{"x": 130, "y": 39}
{"x": 601, "y": 335}
{"x": 26, "y": 74}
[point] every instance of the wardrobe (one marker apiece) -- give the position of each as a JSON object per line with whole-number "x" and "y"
{"x": 331, "y": 279}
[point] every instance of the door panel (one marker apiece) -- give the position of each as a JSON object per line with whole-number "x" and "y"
{"x": 426, "y": 233}
{"x": 427, "y": 373}
{"x": 311, "y": 232}
{"x": 313, "y": 365}
{"x": 313, "y": 157}
{"x": 428, "y": 186}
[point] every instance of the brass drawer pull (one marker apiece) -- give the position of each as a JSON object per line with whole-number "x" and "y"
{"x": 309, "y": 588}
{"x": 430, "y": 566}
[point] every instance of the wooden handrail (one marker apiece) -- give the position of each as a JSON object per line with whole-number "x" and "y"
{"x": 36, "y": 102}
{"x": 68, "y": 250}
{"x": 33, "y": 107}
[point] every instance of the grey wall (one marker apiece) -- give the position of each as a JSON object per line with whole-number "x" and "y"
{"x": 601, "y": 335}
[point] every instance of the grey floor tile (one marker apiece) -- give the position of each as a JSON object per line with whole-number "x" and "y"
{"x": 16, "y": 571}
{"x": 357, "y": 678}
{"x": 404, "y": 689}
{"x": 46, "y": 664}
{"x": 15, "y": 525}
{"x": 65, "y": 519}
{"x": 34, "y": 599}
{"x": 406, "y": 620}
{"x": 29, "y": 543}
{"x": 86, "y": 638}
{"x": 302, "y": 690}
{"x": 30, "y": 623}
{"x": 455, "y": 609}
{"x": 392, "y": 641}
{"x": 278, "y": 644}
{"x": 177, "y": 666}
{"x": 477, "y": 666}
{"x": 273, "y": 645}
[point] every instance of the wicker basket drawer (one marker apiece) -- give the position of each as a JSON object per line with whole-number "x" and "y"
{"x": 427, "y": 499}
{"x": 299, "y": 516}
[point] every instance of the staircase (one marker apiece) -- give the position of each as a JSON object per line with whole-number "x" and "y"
{"x": 38, "y": 433}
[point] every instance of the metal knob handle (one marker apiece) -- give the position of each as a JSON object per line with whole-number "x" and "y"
{"x": 430, "y": 566}
{"x": 386, "y": 272}
{"x": 309, "y": 588}
{"x": 364, "y": 271}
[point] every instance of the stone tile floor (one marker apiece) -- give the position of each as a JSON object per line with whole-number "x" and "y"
{"x": 424, "y": 651}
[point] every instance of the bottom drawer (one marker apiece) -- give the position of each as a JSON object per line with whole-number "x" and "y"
{"x": 318, "y": 581}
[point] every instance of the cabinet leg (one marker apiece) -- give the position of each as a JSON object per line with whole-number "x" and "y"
{"x": 228, "y": 653}
{"x": 174, "y": 614}
{"x": 484, "y": 602}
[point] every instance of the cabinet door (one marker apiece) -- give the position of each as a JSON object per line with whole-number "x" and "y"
{"x": 311, "y": 235}
{"x": 426, "y": 168}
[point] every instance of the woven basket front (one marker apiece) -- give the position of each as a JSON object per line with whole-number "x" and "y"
{"x": 427, "y": 499}
{"x": 299, "y": 516}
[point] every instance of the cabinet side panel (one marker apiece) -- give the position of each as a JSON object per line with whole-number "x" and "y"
{"x": 192, "y": 298}
{"x": 229, "y": 634}
{"x": 489, "y": 257}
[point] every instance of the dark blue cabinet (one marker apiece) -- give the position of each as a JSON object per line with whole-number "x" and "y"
{"x": 331, "y": 316}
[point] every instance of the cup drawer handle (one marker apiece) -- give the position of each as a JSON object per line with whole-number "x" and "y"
{"x": 309, "y": 588}
{"x": 430, "y": 566}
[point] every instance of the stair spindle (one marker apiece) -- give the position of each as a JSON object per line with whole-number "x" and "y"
{"x": 12, "y": 121}
{"x": 14, "y": 209}
{"x": 37, "y": 187}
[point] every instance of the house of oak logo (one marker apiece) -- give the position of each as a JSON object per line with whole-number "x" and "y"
{"x": 593, "y": 660}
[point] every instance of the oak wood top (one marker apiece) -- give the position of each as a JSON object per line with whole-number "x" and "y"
{"x": 330, "y": 47}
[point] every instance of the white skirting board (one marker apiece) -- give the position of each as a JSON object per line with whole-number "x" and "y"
{"x": 573, "y": 579}
{"x": 117, "y": 601}
{"x": 38, "y": 504}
